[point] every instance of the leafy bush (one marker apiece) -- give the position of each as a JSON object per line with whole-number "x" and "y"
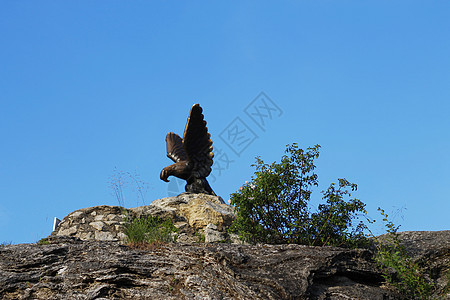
{"x": 149, "y": 229}
{"x": 333, "y": 223}
{"x": 273, "y": 207}
{"x": 397, "y": 267}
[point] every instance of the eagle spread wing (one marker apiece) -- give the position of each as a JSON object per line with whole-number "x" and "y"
{"x": 175, "y": 149}
{"x": 197, "y": 143}
{"x": 192, "y": 154}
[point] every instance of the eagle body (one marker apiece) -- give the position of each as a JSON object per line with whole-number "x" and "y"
{"x": 192, "y": 155}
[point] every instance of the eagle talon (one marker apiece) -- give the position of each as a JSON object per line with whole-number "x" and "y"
{"x": 164, "y": 176}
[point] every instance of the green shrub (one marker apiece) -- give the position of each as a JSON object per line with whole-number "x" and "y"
{"x": 149, "y": 229}
{"x": 333, "y": 223}
{"x": 43, "y": 241}
{"x": 200, "y": 236}
{"x": 397, "y": 266}
{"x": 273, "y": 207}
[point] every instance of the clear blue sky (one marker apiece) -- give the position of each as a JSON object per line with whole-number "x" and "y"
{"x": 90, "y": 86}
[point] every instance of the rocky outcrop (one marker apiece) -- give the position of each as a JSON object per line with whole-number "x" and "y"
{"x": 191, "y": 214}
{"x": 86, "y": 258}
{"x": 69, "y": 268}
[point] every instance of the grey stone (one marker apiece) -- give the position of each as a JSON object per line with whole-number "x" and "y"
{"x": 87, "y": 236}
{"x": 235, "y": 239}
{"x": 104, "y": 236}
{"x": 97, "y": 225}
{"x": 121, "y": 236}
{"x": 68, "y": 231}
{"x": 112, "y": 217}
{"x": 212, "y": 235}
{"x": 76, "y": 214}
{"x": 110, "y": 222}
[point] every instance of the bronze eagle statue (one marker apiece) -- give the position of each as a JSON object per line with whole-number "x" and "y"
{"x": 192, "y": 155}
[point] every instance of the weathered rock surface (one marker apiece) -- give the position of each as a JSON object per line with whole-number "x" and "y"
{"x": 74, "y": 269}
{"x": 191, "y": 213}
{"x": 102, "y": 223}
{"x": 69, "y": 268}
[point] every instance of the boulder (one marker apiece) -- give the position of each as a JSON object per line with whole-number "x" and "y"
{"x": 205, "y": 209}
{"x": 191, "y": 214}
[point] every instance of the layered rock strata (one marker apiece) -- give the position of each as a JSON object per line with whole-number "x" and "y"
{"x": 69, "y": 268}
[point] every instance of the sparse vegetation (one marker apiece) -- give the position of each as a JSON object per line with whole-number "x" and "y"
{"x": 148, "y": 229}
{"x": 120, "y": 183}
{"x": 398, "y": 268}
{"x": 43, "y": 241}
{"x": 200, "y": 236}
{"x": 144, "y": 230}
{"x": 5, "y": 244}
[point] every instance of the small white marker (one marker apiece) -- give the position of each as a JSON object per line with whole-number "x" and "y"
{"x": 56, "y": 222}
